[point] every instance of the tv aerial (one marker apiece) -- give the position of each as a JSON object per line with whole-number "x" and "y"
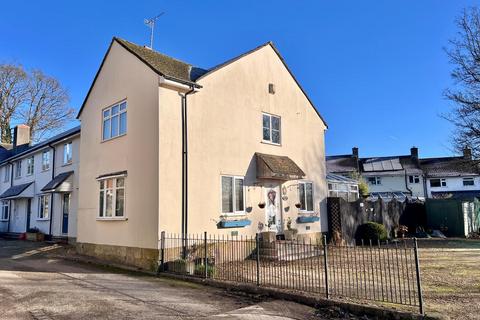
{"x": 151, "y": 24}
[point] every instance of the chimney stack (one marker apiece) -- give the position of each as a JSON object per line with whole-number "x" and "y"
{"x": 21, "y": 135}
{"x": 414, "y": 154}
{"x": 467, "y": 153}
{"x": 355, "y": 152}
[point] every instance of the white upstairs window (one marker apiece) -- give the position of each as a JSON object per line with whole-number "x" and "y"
{"x": 374, "y": 181}
{"x": 30, "y": 165}
{"x": 114, "y": 121}
{"x": 18, "y": 169}
{"x": 67, "y": 153}
{"x": 271, "y": 128}
{"x": 468, "y": 182}
{"x": 6, "y": 176}
{"x": 414, "y": 179}
{"x": 46, "y": 160}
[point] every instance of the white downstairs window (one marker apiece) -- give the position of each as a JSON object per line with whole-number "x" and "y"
{"x": 5, "y": 212}
{"x": 43, "y": 207}
{"x": 305, "y": 194}
{"x": 112, "y": 198}
{"x": 374, "y": 181}
{"x": 233, "y": 195}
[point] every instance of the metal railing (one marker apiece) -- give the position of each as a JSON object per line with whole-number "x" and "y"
{"x": 382, "y": 272}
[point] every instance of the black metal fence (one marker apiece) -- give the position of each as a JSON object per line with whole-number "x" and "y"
{"x": 383, "y": 272}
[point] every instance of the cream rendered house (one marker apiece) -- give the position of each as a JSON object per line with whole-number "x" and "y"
{"x": 39, "y": 184}
{"x": 234, "y": 150}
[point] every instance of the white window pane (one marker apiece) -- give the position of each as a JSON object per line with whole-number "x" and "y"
{"x": 119, "y": 202}
{"x": 115, "y": 110}
{"x": 123, "y": 106}
{"x": 109, "y": 183}
{"x": 239, "y": 206}
{"x": 275, "y": 136}
{"x": 266, "y": 134}
{"x": 123, "y": 123}
{"x": 120, "y": 182}
{"x": 275, "y": 123}
{"x": 101, "y": 198}
{"x": 266, "y": 121}
{"x": 106, "y": 113}
{"x": 114, "y": 126}
{"x": 227, "y": 194}
{"x": 301, "y": 194}
{"x": 309, "y": 192}
{"x": 109, "y": 203}
{"x": 106, "y": 129}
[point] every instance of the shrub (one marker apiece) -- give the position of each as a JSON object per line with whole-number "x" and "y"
{"x": 200, "y": 270}
{"x": 371, "y": 231}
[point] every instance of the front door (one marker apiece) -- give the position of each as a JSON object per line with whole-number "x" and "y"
{"x": 29, "y": 212}
{"x": 66, "y": 212}
{"x": 273, "y": 210}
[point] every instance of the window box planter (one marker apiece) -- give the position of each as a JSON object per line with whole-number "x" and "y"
{"x": 233, "y": 223}
{"x": 307, "y": 219}
{"x": 290, "y": 234}
{"x": 181, "y": 266}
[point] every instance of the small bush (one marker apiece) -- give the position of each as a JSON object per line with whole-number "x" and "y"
{"x": 371, "y": 231}
{"x": 200, "y": 270}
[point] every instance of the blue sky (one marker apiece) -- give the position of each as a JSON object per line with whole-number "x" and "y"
{"x": 376, "y": 70}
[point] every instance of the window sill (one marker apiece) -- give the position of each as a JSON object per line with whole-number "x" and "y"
{"x": 271, "y": 143}
{"x": 113, "y": 138}
{"x": 112, "y": 219}
{"x": 43, "y": 219}
{"x": 3, "y": 220}
{"x": 233, "y": 215}
{"x": 66, "y": 164}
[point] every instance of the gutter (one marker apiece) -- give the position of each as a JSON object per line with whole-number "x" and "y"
{"x": 51, "y": 194}
{"x": 406, "y": 184}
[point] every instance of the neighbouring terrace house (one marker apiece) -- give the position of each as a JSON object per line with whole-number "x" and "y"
{"x": 233, "y": 150}
{"x": 342, "y": 187}
{"x": 387, "y": 177}
{"x": 412, "y": 176}
{"x": 452, "y": 177}
{"x": 39, "y": 184}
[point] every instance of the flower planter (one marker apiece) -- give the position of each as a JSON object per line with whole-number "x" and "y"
{"x": 35, "y": 236}
{"x": 290, "y": 234}
{"x": 307, "y": 219}
{"x": 233, "y": 223}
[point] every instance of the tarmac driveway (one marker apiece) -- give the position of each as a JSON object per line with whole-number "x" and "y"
{"x": 34, "y": 285}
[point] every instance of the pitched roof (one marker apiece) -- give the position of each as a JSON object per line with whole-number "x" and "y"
{"x": 382, "y": 164}
{"x": 179, "y": 71}
{"x": 277, "y": 167}
{"x": 14, "y": 154}
{"x": 449, "y": 167}
{"x": 341, "y": 163}
{"x": 338, "y": 178}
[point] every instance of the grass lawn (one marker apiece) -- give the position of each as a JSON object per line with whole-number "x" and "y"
{"x": 450, "y": 271}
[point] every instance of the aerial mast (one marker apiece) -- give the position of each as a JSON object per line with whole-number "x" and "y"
{"x": 151, "y": 24}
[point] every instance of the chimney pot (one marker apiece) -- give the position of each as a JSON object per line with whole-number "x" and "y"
{"x": 355, "y": 152}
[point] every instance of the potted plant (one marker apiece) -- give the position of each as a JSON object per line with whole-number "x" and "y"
{"x": 261, "y": 204}
{"x": 34, "y": 234}
{"x": 298, "y": 205}
{"x": 290, "y": 233}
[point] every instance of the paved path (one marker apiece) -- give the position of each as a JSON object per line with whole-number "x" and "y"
{"x": 35, "y": 286}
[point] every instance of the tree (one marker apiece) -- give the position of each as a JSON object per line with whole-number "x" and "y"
{"x": 464, "y": 53}
{"x": 31, "y": 98}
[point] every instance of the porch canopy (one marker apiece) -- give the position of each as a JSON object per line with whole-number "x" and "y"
{"x": 20, "y": 191}
{"x": 277, "y": 167}
{"x": 63, "y": 182}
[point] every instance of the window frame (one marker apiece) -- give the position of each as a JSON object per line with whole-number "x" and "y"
{"x": 414, "y": 179}
{"x": 234, "y": 197}
{"x": 109, "y": 118}
{"x": 46, "y": 164}
{"x": 30, "y": 165}
{"x": 6, "y": 177}
{"x": 378, "y": 180}
{"x": 41, "y": 207}
{"x": 468, "y": 179}
{"x": 69, "y": 160}
{"x": 18, "y": 169}
{"x": 271, "y": 129}
{"x": 114, "y": 198}
{"x": 442, "y": 182}
{"x": 4, "y": 204}
{"x": 305, "y": 182}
